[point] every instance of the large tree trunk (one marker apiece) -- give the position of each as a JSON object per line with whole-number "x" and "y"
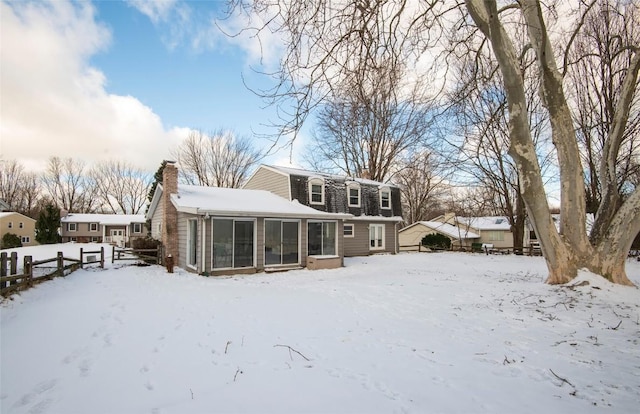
{"x": 568, "y": 249}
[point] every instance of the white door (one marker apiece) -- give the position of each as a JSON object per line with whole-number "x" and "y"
{"x": 117, "y": 237}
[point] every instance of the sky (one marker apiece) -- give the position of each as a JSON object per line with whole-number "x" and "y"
{"x": 127, "y": 80}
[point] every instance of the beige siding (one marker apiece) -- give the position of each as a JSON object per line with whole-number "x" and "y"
{"x": 28, "y": 227}
{"x": 358, "y": 245}
{"x": 156, "y": 220}
{"x": 265, "y": 179}
{"x": 413, "y": 236}
{"x": 488, "y": 236}
{"x": 182, "y": 239}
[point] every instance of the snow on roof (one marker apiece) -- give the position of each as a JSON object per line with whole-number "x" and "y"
{"x": 336, "y": 177}
{"x": 240, "y": 202}
{"x": 376, "y": 218}
{"x": 448, "y": 230}
{"x": 8, "y": 213}
{"x": 105, "y": 219}
{"x": 486, "y": 223}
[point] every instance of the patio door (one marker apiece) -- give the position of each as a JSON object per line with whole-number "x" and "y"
{"x": 281, "y": 242}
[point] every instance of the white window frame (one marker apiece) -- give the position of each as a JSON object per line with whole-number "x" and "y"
{"x": 72, "y": 227}
{"x": 189, "y": 246}
{"x": 319, "y": 182}
{"x": 91, "y": 225}
{"x": 323, "y": 222}
{"x": 138, "y": 226}
{"x": 264, "y": 236}
{"x": 353, "y": 230}
{"x": 10, "y": 225}
{"x": 388, "y": 191}
{"x": 380, "y": 226}
{"x": 25, "y": 239}
{"x": 255, "y": 242}
{"x": 353, "y": 186}
{"x": 21, "y": 225}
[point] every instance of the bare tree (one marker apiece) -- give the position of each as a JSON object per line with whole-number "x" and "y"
{"x": 568, "y": 249}
{"x": 122, "y": 189}
{"x": 19, "y": 188}
{"x": 217, "y": 160}
{"x": 595, "y": 79}
{"x": 370, "y": 121}
{"x": 67, "y": 185}
{"x": 423, "y": 187}
{"x": 328, "y": 40}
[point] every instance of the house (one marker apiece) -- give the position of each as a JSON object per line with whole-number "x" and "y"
{"x": 212, "y": 230}
{"x": 117, "y": 229}
{"x": 410, "y": 237}
{"x": 493, "y": 230}
{"x": 375, "y": 208}
{"x": 4, "y": 206}
{"x": 20, "y": 225}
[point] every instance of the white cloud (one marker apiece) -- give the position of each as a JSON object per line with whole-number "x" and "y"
{"x": 156, "y": 10}
{"x": 53, "y": 103}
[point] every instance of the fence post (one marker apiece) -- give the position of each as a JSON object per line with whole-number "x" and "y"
{"x": 3, "y": 268}
{"x": 159, "y": 255}
{"x": 60, "y": 264}
{"x": 113, "y": 254}
{"x": 102, "y": 257}
{"x": 81, "y": 258}
{"x": 27, "y": 269}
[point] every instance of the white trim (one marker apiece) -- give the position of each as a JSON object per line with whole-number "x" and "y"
{"x": 134, "y": 227}
{"x": 75, "y": 227}
{"x": 377, "y": 225}
{"x": 255, "y": 242}
{"x": 92, "y": 224}
{"x": 316, "y": 181}
{"x": 335, "y": 223}
{"x": 354, "y": 186}
{"x": 193, "y": 266}
{"x": 353, "y": 230}
{"x": 384, "y": 189}
{"x": 264, "y": 241}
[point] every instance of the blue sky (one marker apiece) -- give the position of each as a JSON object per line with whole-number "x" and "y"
{"x": 125, "y": 79}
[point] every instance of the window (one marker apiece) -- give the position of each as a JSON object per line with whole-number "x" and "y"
{"x": 192, "y": 243}
{"x": 73, "y": 239}
{"x": 21, "y": 225}
{"x": 137, "y": 227}
{"x": 72, "y": 226}
{"x": 93, "y": 226}
{"x": 348, "y": 230}
{"x": 353, "y": 192}
{"x": 385, "y": 198}
{"x": 376, "y": 237}
{"x": 160, "y": 229}
{"x": 322, "y": 238}
{"x": 25, "y": 239}
{"x": 233, "y": 243}
{"x": 496, "y": 236}
{"x": 281, "y": 242}
{"x": 10, "y": 225}
{"x": 316, "y": 191}
{"x": 95, "y": 239}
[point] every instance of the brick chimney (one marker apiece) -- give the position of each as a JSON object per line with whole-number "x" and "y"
{"x": 170, "y": 214}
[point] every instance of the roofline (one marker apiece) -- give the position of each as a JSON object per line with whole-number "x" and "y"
{"x": 261, "y": 214}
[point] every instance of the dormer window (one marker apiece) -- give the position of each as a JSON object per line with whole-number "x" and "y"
{"x": 353, "y": 194}
{"x": 385, "y": 198}
{"x": 316, "y": 191}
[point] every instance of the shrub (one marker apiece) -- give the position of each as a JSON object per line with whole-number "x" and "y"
{"x": 437, "y": 241}
{"x": 10, "y": 240}
{"x": 145, "y": 243}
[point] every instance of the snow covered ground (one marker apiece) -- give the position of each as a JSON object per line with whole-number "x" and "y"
{"x": 415, "y": 333}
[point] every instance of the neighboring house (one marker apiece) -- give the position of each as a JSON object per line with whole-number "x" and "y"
{"x": 375, "y": 207}
{"x": 212, "y": 230}
{"x": 494, "y": 230}
{"x": 20, "y": 225}
{"x": 117, "y": 229}
{"x": 411, "y": 236}
{"x": 4, "y": 206}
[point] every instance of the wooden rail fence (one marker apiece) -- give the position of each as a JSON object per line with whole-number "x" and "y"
{"x": 146, "y": 255}
{"x": 528, "y": 250}
{"x": 34, "y": 271}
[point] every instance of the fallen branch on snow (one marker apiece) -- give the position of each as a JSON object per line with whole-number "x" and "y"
{"x": 291, "y": 349}
{"x": 561, "y": 379}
